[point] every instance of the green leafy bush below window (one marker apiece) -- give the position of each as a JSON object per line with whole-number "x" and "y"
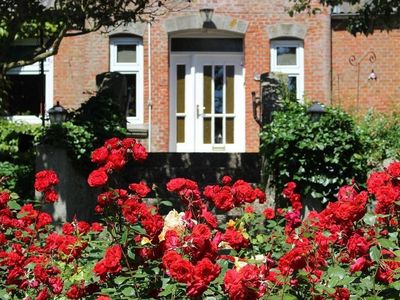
{"x": 319, "y": 155}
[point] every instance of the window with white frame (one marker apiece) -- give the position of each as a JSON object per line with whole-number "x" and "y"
{"x": 27, "y": 87}
{"x": 126, "y": 57}
{"x": 287, "y": 57}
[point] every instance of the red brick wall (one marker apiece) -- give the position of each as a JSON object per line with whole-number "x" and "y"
{"x": 80, "y": 59}
{"x": 76, "y": 65}
{"x": 382, "y": 94}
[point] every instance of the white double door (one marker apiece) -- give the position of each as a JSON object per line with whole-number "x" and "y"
{"x": 207, "y": 103}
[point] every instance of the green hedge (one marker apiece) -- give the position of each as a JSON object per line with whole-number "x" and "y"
{"x": 320, "y": 156}
{"x": 17, "y": 157}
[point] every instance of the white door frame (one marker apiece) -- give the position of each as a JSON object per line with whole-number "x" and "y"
{"x": 194, "y": 62}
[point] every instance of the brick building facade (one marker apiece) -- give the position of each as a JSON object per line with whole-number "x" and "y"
{"x": 192, "y": 78}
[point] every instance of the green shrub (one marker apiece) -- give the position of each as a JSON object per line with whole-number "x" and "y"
{"x": 17, "y": 156}
{"x": 320, "y": 155}
{"x": 76, "y": 140}
{"x": 381, "y": 136}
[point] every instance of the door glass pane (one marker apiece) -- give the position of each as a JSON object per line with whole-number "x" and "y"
{"x": 207, "y": 131}
{"x": 131, "y": 94}
{"x": 286, "y": 56}
{"x": 230, "y": 84}
{"x": 180, "y": 129}
{"x": 218, "y": 133}
{"x": 126, "y": 53}
{"x": 207, "y": 73}
{"x": 218, "y": 89}
{"x": 180, "y": 91}
{"x": 230, "y": 130}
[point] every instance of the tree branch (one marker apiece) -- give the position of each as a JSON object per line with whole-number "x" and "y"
{"x": 53, "y": 50}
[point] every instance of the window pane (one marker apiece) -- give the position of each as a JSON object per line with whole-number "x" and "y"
{"x": 180, "y": 129}
{"x": 207, "y": 44}
{"x": 20, "y": 52}
{"x": 218, "y": 88}
{"x": 286, "y": 56}
{"x": 180, "y": 91}
{"x": 207, "y": 131}
{"x": 218, "y": 133}
{"x": 131, "y": 94}
{"x": 292, "y": 84}
{"x": 126, "y": 53}
{"x": 207, "y": 71}
{"x": 230, "y": 130}
{"x": 25, "y": 95}
{"x": 230, "y": 84}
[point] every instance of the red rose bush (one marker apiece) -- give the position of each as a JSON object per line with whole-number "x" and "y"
{"x": 348, "y": 250}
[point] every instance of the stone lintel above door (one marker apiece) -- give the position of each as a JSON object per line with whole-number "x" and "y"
{"x": 195, "y": 22}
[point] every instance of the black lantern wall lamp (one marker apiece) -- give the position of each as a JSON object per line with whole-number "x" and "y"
{"x": 57, "y": 114}
{"x": 316, "y": 110}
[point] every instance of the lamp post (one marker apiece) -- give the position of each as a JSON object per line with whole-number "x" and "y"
{"x": 57, "y": 114}
{"x": 316, "y": 110}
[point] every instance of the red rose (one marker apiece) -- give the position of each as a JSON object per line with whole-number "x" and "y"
{"x": 83, "y": 227}
{"x": 226, "y": 180}
{"x": 141, "y": 189}
{"x": 67, "y": 228}
{"x": 97, "y": 178}
{"x": 249, "y": 210}
{"x": 209, "y": 218}
{"x": 176, "y": 184}
{"x": 269, "y": 213}
{"x": 75, "y": 292}
{"x": 113, "y": 256}
{"x": 181, "y": 270}
{"x": 342, "y": 294}
{"x": 112, "y": 143}
{"x": 4, "y": 198}
{"x": 394, "y": 169}
{"x": 50, "y": 196}
{"x": 128, "y": 143}
{"x": 139, "y": 153}
{"x": 43, "y": 295}
{"x": 206, "y": 271}
{"x": 102, "y": 297}
{"x": 153, "y": 224}
{"x": 99, "y": 155}
{"x": 56, "y": 284}
{"x": 96, "y": 227}
{"x": 117, "y": 159}
{"x": 169, "y": 257}
{"x": 43, "y": 220}
{"x": 201, "y": 230}
{"x": 359, "y": 265}
{"x": 357, "y": 246}
{"x": 235, "y": 239}
{"x": 45, "y": 179}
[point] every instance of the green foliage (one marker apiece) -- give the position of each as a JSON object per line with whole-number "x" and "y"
{"x": 319, "y": 155}
{"x": 95, "y": 121}
{"x": 17, "y": 157}
{"x": 101, "y": 116}
{"x": 381, "y": 136}
{"x": 76, "y": 140}
{"x": 367, "y": 17}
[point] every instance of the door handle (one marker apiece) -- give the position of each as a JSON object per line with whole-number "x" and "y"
{"x": 200, "y": 110}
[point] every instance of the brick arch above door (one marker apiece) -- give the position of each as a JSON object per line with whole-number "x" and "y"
{"x": 193, "y": 22}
